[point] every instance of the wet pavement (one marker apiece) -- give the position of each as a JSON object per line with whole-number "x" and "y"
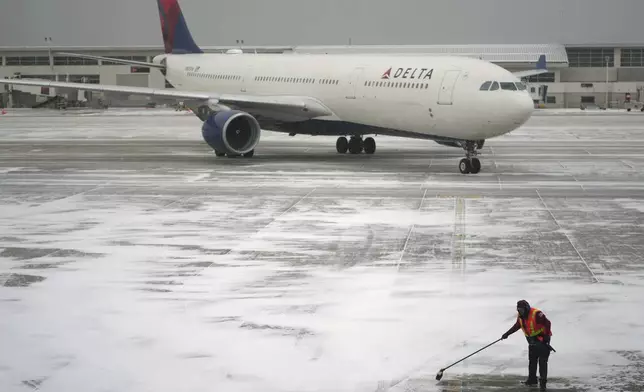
{"x": 131, "y": 258}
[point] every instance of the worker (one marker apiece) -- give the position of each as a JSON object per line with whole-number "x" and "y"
{"x": 536, "y": 327}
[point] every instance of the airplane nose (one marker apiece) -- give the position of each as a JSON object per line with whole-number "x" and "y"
{"x": 524, "y": 107}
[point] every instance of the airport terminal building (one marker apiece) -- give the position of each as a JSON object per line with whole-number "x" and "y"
{"x": 605, "y": 76}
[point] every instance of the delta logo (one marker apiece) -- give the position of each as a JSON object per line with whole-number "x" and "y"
{"x": 409, "y": 73}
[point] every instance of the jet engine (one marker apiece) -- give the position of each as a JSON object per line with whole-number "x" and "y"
{"x": 231, "y": 132}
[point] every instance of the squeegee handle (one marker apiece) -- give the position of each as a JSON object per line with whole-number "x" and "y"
{"x": 475, "y": 352}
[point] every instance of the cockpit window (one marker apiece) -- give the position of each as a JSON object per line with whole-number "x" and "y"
{"x": 486, "y": 86}
{"x": 495, "y": 86}
{"x": 521, "y": 86}
{"x": 508, "y": 86}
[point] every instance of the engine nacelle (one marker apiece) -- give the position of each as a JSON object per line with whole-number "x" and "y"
{"x": 232, "y": 132}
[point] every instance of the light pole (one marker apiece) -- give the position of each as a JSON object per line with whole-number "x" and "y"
{"x": 607, "y": 60}
{"x": 51, "y": 57}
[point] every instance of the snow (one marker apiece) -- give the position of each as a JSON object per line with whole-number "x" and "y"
{"x": 239, "y": 278}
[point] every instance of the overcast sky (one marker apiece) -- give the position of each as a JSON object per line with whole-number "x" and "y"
{"x": 326, "y": 22}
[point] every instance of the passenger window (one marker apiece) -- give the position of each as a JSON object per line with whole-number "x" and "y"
{"x": 495, "y": 86}
{"x": 508, "y": 86}
{"x": 485, "y": 86}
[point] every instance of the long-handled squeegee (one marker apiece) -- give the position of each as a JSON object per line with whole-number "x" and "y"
{"x": 439, "y": 375}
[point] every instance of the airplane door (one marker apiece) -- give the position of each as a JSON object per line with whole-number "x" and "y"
{"x": 247, "y": 78}
{"x": 446, "y": 92}
{"x": 354, "y": 83}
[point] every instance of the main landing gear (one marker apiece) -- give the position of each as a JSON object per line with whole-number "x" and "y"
{"x": 470, "y": 164}
{"x": 355, "y": 145}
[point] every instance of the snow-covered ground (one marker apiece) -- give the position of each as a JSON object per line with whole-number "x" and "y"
{"x": 131, "y": 259}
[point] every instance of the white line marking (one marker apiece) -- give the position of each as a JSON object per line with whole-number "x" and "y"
{"x": 186, "y": 198}
{"x": 580, "y": 184}
{"x": 402, "y": 253}
{"x": 296, "y": 203}
{"x": 411, "y": 229}
{"x": 422, "y": 200}
{"x": 568, "y": 238}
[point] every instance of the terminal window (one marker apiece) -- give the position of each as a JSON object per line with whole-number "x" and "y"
{"x": 548, "y": 77}
{"x": 591, "y": 57}
{"x": 27, "y": 60}
{"x": 133, "y": 58}
{"x": 74, "y": 61}
{"x": 632, "y": 57}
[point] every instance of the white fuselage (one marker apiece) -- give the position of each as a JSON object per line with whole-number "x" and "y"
{"x": 428, "y": 95}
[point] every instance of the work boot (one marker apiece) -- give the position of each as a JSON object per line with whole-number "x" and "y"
{"x": 542, "y": 385}
{"x": 530, "y": 381}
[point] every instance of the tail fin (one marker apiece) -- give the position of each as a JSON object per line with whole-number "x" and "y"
{"x": 176, "y": 36}
{"x": 541, "y": 63}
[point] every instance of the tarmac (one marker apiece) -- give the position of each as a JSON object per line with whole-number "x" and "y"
{"x": 132, "y": 258}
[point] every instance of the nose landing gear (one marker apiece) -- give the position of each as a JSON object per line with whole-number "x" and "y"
{"x": 470, "y": 164}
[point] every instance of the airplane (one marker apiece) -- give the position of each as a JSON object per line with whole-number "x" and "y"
{"x": 453, "y": 100}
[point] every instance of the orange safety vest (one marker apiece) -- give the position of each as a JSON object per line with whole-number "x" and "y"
{"x": 530, "y": 327}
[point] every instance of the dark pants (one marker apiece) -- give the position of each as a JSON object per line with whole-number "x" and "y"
{"x": 538, "y": 354}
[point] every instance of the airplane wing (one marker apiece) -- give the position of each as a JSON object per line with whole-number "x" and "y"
{"x": 540, "y": 69}
{"x": 280, "y": 107}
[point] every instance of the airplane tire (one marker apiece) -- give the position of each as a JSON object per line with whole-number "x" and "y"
{"x": 219, "y": 153}
{"x": 476, "y": 166}
{"x": 369, "y": 145}
{"x": 355, "y": 145}
{"x": 342, "y": 145}
{"x": 464, "y": 166}
{"x": 249, "y": 154}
